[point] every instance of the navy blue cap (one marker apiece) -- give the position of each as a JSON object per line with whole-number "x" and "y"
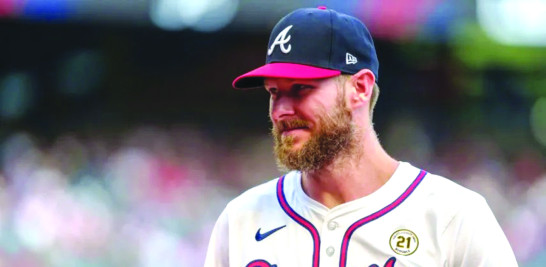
{"x": 313, "y": 43}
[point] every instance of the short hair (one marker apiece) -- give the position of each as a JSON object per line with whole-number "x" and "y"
{"x": 341, "y": 79}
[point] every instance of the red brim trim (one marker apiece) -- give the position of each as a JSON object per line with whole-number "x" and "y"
{"x": 255, "y": 77}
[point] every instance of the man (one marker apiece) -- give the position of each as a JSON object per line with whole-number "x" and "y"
{"x": 345, "y": 202}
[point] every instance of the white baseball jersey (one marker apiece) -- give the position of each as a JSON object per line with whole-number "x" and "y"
{"x": 415, "y": 219}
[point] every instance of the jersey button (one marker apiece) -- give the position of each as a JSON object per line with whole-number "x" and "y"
{"x": 332, "y": 225}
{"x": 330, "y": 251}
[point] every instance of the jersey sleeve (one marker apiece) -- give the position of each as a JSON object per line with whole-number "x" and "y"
{"x": 475, "y": 238}
{"x": 218, "y": 249}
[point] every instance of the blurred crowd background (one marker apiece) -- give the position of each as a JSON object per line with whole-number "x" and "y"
{"x": 121, "y": 139}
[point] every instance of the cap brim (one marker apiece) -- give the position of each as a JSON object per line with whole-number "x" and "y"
{"x": 255, "y": 78}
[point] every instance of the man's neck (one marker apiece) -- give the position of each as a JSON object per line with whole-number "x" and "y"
{"x": 350, "y": 177}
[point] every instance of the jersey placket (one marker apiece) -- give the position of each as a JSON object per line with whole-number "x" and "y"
{"x": 331, "y": 236}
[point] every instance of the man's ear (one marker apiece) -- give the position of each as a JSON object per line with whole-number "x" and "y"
{"x": 362, "y": 82}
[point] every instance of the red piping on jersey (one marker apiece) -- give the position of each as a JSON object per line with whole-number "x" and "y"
{"x": 303, "y": 222}
{"x": 376, "y": 215}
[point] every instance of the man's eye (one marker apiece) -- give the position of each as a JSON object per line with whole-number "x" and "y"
{"x": 299, "y": 87}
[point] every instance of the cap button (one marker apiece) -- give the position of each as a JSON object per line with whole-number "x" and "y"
{"x": 322, "y": 7}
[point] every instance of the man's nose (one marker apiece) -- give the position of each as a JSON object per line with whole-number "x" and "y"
{"x": 282, "y": 107}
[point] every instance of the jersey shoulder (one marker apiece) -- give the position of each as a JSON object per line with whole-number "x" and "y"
{"x": 445, "y": 190}
{"x": 466, "y": 228}
{"x": 444, "y": 199}
{"x": 437, "y": 189}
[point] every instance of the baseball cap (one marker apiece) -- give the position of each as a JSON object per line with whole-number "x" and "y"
{"x": 314, "y": 43}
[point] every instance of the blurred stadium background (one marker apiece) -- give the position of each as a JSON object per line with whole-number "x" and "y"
{"x": 121, "y": 139}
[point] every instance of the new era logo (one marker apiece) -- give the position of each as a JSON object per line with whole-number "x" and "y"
{"x": 350, "y": 59}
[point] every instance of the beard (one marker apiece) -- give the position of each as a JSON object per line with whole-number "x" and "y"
{"x": 335, "y": 137}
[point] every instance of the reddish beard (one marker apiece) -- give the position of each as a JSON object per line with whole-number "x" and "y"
{"x": 335, "y": 136}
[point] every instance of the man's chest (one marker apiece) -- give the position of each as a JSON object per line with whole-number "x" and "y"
{"x": 336, "y": 242}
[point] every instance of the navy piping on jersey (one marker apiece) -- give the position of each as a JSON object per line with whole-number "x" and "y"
{"x": 345, "y": 244}
{"x": 299, "y": 219}
{"x": 376, "y": 215}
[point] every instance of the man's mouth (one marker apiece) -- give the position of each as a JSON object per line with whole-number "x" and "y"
{"x": 285, "y": 127}
{"x": 294, "y": 128}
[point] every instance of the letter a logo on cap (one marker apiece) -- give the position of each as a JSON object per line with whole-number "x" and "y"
{"x": 281, "y": 40}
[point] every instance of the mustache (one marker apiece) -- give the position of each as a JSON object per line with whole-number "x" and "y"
{"x": 290, "y": 124}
